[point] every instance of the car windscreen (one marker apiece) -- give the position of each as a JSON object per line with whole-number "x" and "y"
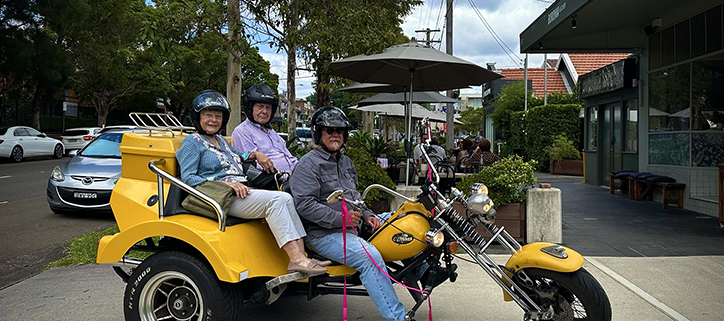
{"x": 304, "y": 133}
{"x": 105, "y": 146}
{"x": 75, "y": 132}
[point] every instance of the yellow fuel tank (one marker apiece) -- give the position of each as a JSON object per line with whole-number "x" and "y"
{"x": 403, "y": 235}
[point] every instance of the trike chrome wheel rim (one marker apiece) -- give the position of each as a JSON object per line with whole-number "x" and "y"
{"x": 170, "y": 295}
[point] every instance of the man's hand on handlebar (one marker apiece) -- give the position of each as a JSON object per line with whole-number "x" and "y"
{"x": 374, "y": 222}
{"x": 356, "y": 216}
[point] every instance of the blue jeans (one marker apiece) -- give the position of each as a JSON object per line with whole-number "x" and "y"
{"x": 377, "y": 284}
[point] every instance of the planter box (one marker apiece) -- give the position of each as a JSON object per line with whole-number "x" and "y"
{"x": 567, "y": 167}
{"x": 511, "y": 216}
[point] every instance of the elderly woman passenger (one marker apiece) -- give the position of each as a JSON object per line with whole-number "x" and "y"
{"x": 206, "y": 156}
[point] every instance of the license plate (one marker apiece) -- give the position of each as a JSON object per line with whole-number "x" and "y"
{"x": 85, "y": 195}
{"x": 72, "y": 140}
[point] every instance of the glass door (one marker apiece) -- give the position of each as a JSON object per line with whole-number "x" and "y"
{"x": 611, "y": 140}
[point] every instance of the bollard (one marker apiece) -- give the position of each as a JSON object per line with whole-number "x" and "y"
{"x": 543, "y": 215}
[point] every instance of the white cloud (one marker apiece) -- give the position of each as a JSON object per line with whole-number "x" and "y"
{"x": 472, "y": 41}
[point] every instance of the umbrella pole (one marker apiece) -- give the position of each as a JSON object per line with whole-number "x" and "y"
{"x": 408, "y": 129}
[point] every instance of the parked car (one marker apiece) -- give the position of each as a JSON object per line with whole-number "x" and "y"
{"x": 304, "y": 135}
{"x": 76, "y": 138}
{"x": 106, "y": 129}
{"x": 85, "y": 182}
{"x": 18, "y": 142}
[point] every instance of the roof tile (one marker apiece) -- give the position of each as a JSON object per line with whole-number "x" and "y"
{"x": 587, "y": 62}
{"x": 555, "y": 80}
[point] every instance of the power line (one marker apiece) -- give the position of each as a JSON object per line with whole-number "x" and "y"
{"x": 509, "y": 52}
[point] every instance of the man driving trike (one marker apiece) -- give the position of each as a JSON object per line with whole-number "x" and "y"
{"x": 318, "y": 174}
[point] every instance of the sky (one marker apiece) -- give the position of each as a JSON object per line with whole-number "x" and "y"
{"x": 471, "y": 40}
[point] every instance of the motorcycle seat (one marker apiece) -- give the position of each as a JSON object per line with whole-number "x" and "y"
{"x": 176, "y": 197}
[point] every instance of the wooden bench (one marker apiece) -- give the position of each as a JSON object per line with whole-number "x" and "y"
{"x": 622, "y": 176}
{"x": 643, "y": 189}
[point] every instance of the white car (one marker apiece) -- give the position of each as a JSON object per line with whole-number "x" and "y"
{"x": 76, "y": 138}
{"x": 19, "y": 142}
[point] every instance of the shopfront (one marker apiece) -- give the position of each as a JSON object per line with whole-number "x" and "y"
{"x": 669, "y": 120}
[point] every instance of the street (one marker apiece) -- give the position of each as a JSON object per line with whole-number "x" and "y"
{"x": 30, "y": 233}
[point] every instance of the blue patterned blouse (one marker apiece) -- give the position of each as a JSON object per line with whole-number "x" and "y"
{"x": 200, "y": 160}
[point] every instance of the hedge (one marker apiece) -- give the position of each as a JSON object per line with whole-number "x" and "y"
{"x": 544, "y": 123}
{"x": 369, "y": 173}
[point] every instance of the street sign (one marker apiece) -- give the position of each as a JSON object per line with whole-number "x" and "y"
{"x": 70, "y": 109}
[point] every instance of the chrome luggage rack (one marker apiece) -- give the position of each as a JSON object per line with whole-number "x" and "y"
{"x": 158, "y": 122}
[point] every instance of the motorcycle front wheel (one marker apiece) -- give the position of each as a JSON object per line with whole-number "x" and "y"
{"x": 573, "y": 296}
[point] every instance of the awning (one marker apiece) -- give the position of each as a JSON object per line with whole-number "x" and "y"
{"x": 603, "y": 25}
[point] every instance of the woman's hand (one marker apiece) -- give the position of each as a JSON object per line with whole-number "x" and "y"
{"x": 264, "y": 162}
{"x": 241, "y": 190}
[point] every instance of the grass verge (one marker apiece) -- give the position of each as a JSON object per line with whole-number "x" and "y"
{"x": 83, "y": 249}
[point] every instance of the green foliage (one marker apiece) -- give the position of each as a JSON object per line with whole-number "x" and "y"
{"x": 506, "y": 180}
{"x": 295, "y": 149}
{"x": 369, "y": 173}
{"x": 473, "y": 121}
{"x": 544, "y": 123}
{"x": 377, "y": 147}
{"x": 517, "y": 137}
{"x": 443, "y": 140}
{"x": 563, "y": 148}
{"x": 510, "y": 100}
{"x": 359, "y": 139}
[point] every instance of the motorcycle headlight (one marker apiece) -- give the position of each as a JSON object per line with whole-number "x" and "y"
{"x": 434, "y": 238}
{"x": 57, "y": 174}
{"x": 478, "y": 188}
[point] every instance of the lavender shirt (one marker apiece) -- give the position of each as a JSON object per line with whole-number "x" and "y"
{"x": 252, "y": 137}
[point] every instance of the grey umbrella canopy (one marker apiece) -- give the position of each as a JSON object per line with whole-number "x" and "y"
{"x": 413, "y": 65}
{"x": 416, "y": 66}
{"x": 417, "y": 97}
{"x": 373, "y": 88}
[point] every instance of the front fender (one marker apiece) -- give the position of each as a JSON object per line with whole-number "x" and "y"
{"x": 244, "y": 251}
{"x": 531, "y": 256}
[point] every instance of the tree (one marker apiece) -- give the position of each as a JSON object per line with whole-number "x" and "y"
{"x": 510, "y": 100}
{"x": 336, "y": 29}
{"x": 473, "y": 120}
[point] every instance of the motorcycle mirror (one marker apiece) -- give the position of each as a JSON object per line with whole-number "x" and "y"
{"x": 335, "y": 196}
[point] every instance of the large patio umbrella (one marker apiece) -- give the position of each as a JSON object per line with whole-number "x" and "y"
{"x": 373, "y": 88}
{"x": 416, "y": 66}
{"x": 417, "y": 97}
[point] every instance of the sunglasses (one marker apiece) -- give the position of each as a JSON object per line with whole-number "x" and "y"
{"x": 339, "y": 130}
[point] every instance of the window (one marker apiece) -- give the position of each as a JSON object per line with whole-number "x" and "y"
{"x": 105, "y": 146}
{"x": 707, "y": 99}
{"x": 669, "y": 149}
{"x": 33, "y": 132}
{"x": 669, "y": 99}
{"x": 592, "y": 128}
{"x": 632, "y": 126}
{"x": 20, "y": 132}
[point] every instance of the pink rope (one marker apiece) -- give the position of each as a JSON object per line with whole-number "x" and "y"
{"x": 346, "y": 217}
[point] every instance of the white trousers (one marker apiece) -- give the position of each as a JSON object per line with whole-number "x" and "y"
{"x": 278, "y": 210}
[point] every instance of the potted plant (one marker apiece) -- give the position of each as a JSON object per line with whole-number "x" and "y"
{"x": 507, "y": 181}
{"x": 565, "y": 158}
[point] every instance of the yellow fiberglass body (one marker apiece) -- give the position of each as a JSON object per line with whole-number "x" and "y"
{"x": 531, "y": 256}
{"x": 403, "y": 236}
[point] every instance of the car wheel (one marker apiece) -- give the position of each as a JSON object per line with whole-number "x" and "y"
{"x": 58, "y": 152}
{"x": 17, "y": 154}
{"x": 173, "y": 285}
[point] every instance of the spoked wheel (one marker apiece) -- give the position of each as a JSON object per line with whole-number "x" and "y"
{"x": 17, "y": 154}
{"x": 177, "y": 286}
{"x": 58, "y": 151}
{"x": 572, "y": 296}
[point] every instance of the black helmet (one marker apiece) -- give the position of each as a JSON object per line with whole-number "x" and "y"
{"x": 328, "y": 117}
{"x": 260, "y": 93}
{"x": 211, "y": 100}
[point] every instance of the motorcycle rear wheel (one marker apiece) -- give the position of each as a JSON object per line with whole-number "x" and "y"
{"x": 573, "y": 296}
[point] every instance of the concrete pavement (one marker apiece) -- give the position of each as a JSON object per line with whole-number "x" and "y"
{"x": 655, "y": 264}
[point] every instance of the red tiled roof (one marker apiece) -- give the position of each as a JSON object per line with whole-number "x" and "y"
{"x": 555, "y": 80}
{"x": 587, "y": 62}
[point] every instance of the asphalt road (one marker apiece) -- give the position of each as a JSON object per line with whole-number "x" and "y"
{"x": 31, "y": 235}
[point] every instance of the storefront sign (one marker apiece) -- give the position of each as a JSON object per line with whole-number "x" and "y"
{"x": 615, "y": 76}
{"x": 553, "y": 15}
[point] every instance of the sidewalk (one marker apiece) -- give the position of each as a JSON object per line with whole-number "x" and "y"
{"x": 655, "y": 264}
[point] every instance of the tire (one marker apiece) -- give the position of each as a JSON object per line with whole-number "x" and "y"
{"x": 58, "y": 152}
{"x": 573, "y": 296}
{"x": 17, "y": 154}
{"x": 176, "y": 274}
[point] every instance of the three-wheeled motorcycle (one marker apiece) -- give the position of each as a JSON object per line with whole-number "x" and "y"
{"x": 207, "y": 269}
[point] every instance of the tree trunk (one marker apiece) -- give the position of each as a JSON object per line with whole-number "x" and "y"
{"x": 37, "y": 100}
{"x": 233, "y": 66}
{"x": 291, "y": 92}
{"x": 323, "y": 79}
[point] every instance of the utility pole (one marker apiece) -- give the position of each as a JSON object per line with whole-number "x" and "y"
{"x": 525, "y": 81}
{"x": 450, "y": 112}
{"x": 545, "y": 79}
{"x": 427, "y": 32}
